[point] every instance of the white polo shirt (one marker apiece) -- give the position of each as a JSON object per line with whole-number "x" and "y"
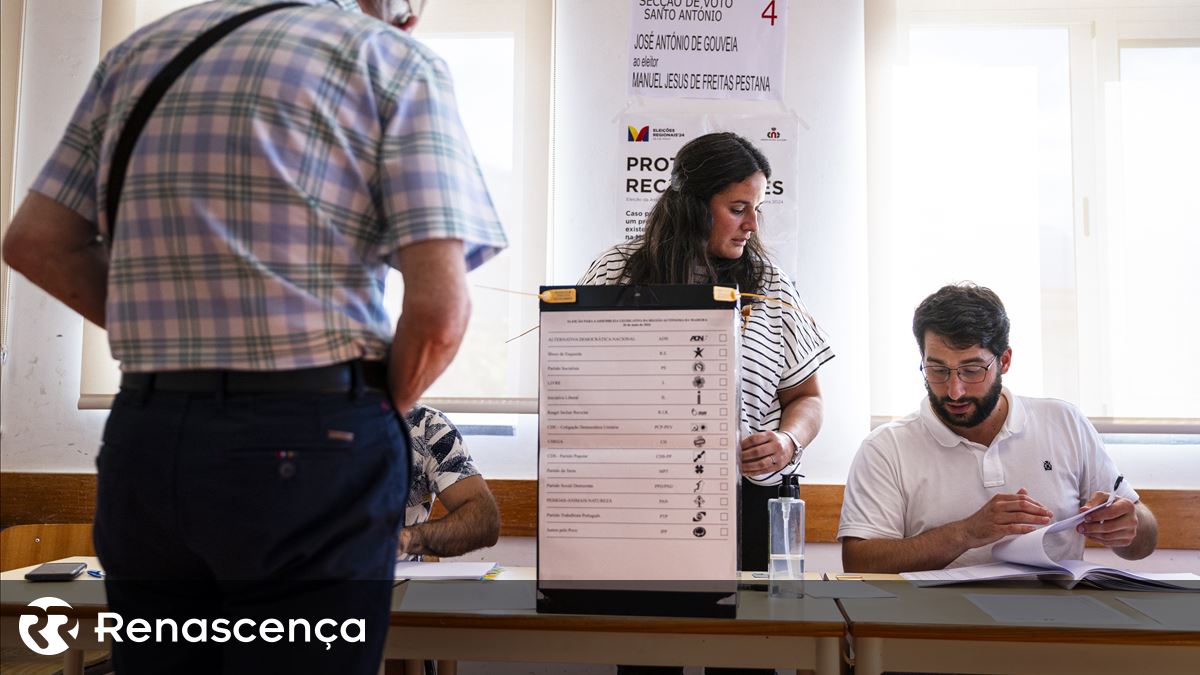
{"x": 917, "y": 474}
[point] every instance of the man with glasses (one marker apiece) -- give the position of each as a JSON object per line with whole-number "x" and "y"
{"x": 976, "y": 463}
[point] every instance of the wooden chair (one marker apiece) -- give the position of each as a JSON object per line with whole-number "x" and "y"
{"x": 22, "y": 545}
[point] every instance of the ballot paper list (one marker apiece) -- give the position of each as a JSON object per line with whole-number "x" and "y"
{"x": 638, "y": 445}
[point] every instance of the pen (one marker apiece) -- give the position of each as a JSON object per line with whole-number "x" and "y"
{"x": 96, "y": 574}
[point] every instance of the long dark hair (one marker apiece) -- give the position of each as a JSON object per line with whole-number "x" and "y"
{"x": 675, "y": 241}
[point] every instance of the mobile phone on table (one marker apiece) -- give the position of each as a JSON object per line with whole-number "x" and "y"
{"x": 60, "y": 571}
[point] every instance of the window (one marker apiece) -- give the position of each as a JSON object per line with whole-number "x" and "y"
{"x": 1049, "y": 154}
{"x": 1153, "y": 216}
{"x": 498, "y": 53}
{"x": 982, "y": 179}
{"x": 11, "y": 16}
{"x": 488, "y": 365}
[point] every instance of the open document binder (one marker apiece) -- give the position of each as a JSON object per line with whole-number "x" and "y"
{"x": 638, "y": 484}
{"x": 1025, "y": 555}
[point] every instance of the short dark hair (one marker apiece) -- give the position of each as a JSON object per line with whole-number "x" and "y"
{"x": 675, "y": 239}
{"x": 964, "y": 315}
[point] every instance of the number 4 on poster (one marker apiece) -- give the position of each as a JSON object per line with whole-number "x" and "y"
{"x": 768, "y": 12}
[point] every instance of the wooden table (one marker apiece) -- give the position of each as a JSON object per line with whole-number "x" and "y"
{"x": 497, "y": 621}
{"x": 941, "y": 630}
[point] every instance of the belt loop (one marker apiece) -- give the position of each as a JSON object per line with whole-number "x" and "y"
{"x": 356, "y": 379}
{"x": 222, "y": 387}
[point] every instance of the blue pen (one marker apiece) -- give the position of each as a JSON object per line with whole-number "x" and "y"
{"x": 96, "y": 574}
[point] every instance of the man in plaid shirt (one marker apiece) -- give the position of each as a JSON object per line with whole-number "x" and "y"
{"x": 254, "y": 465}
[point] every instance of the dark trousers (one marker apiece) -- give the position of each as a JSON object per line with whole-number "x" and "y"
{"x": 256, "y": 510}
{"x": 755, "y": 525}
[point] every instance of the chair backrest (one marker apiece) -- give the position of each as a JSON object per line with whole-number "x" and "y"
{"x": 23, "y": 545}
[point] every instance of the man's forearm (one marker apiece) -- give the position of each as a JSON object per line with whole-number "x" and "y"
{"x": 433, "y": 318}
{"x": 474, "y": 525}
{"x": 931, "y": 550}
{"x": 77, "y": 278}
{"x": 421, "y": 352}
{"x": 57, "y": 250}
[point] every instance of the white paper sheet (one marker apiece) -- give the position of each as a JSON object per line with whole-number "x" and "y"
{"x": 1029, "y": 549}
{"x": 958, "y": 575}
{"x": 406, "y": 569}
{"x": 1071, "y": 610}
{"x": 638, "y": 444}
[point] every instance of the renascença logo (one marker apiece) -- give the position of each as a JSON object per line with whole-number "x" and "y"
{"x": 47, "y": 627}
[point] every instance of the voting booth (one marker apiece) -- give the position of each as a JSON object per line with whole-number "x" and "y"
{"x": 638, "y": 484}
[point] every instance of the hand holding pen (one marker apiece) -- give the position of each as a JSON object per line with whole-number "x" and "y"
{"x": 1115, "y": 525}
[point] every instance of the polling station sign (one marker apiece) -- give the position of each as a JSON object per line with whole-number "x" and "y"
{"x": 726, "y": 49}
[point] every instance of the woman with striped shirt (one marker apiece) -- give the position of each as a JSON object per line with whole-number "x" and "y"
{"x": 701, "y": 231}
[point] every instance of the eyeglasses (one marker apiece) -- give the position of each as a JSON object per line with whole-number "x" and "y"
{"x": 972, "y": 373}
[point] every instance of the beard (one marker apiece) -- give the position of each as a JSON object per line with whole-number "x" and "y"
{"x": 983, "y": 406}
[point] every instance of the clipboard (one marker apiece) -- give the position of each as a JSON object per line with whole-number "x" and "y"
{"x": 638, "y": 434}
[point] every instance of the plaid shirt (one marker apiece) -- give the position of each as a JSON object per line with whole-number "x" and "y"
{"x": 272, "y": 187}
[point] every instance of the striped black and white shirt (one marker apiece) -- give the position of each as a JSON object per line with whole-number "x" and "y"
{"x": 781, "y": 347}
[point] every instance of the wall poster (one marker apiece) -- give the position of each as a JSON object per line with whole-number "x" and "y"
{"x": 650, "y": 141}
{"x": 727, "y": 49}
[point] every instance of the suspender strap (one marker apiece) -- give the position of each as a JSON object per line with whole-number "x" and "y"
{"x": 153, "y": 94}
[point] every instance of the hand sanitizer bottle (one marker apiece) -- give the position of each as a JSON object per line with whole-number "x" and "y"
{"x": 786, "y": 566}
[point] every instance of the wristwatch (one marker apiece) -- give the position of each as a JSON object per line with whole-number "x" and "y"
{"x": 799, "y": 449}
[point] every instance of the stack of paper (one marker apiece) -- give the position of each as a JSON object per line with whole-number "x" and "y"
{"x": 436, "y": 571}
